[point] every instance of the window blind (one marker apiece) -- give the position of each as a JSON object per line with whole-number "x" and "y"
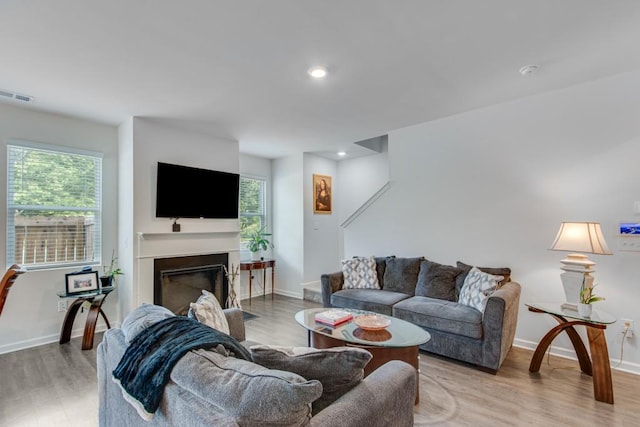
{"x": 54, "y": 207}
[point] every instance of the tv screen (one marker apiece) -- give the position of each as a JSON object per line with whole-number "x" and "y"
{"x": 187, "y": 192}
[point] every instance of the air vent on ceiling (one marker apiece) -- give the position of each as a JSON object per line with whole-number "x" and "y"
{"x": 15, "y": 96}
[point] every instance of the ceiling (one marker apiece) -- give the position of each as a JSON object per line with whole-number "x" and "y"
{"x": 237, "y": 68}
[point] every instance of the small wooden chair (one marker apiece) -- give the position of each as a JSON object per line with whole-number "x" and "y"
{"x": 7, "y": 281}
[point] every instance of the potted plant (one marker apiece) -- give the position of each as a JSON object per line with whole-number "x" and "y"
{"x": 258, "y": 242}
{"x": 587, "y": 297}
{"x": 110, "y": 271}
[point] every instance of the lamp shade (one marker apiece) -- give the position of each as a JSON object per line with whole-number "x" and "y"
{"x": 585, "y": 237}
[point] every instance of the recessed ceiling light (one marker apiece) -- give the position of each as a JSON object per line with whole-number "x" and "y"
{"x": 341, "y": 153}
{"x": 318, "y": 72}
{"x": 528, "y": 69}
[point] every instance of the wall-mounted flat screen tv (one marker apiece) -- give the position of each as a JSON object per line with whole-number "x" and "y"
{"x": 188, "y": 192}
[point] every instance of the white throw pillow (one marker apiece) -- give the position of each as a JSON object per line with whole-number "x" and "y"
{"x": 477, "y": 288}
{"x": 360, "y": 273}
{"x": 207, "y": 310}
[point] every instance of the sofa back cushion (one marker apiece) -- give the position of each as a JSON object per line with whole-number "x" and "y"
{"x": 401, "y": 274}
{"x": 339, "y": 369}
{"x": 246, "y": 392}
{"x": 437, "y": 281}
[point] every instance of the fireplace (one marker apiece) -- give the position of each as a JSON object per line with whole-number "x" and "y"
{"x": 179, "y": 281}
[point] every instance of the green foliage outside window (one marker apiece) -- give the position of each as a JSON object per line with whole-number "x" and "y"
{"x": 252, "y": 208}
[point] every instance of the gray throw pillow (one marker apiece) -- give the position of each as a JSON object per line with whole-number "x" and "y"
{"x": 504, "y": 272}
{"x": 401, "y": 274}
{"x": 141, "y": 318}
{"x": 339, "y": 369}
{"x": 246, "y": 392}
{"x": 437, "y": 281}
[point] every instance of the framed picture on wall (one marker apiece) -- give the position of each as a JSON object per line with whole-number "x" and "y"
{"x": 84, "y": 281}
{"x": 322, "y": 196}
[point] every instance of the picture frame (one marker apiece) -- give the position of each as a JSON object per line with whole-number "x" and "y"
{"x": 81, "y": 282}
{"x": 322, "y": 194}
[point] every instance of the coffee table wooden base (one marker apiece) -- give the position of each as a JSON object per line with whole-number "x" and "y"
{"x": 381, "y": 355}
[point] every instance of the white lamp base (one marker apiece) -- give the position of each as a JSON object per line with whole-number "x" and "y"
{"x": 577, "y": 269}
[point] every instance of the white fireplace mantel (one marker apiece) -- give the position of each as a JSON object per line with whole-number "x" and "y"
{"x": 165, "y": 245}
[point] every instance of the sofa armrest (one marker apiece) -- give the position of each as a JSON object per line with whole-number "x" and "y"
{"x": 236, "y": 323}
{"x": 385, "y": 398}
{"x": 331, "y": 283}
{"x": 499, "y": 323}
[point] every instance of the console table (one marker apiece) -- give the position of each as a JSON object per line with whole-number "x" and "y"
{"x": 260, "y": 265}
{"x": 598, "y": 366}
{"x": 96, "y": 298}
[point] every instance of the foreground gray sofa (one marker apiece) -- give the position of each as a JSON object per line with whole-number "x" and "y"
{"x": 457, "y": 331}
{"x": 194, "y": 397}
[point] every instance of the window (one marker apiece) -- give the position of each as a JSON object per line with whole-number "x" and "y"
{"x": 53, "y": 206}
{"x": 252, "y": 207}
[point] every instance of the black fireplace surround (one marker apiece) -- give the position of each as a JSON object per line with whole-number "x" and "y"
{"x": 177, "y": 281}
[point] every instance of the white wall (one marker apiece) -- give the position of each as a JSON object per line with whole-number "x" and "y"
{"x": 154, "y": 141}
{"x": 360, "y": 178}
{"x": 490, "y": 187}
{"x": 321, "y": 243}
{"x": 288, "y": 224}
{"x": 31, "y": 316}
{"x": 257, "y": 167}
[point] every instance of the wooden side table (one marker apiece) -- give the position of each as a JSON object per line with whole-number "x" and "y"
{"x": 598, "y": 366}
{"x": 260, "y": 265}
{"x": 96, "y": 299}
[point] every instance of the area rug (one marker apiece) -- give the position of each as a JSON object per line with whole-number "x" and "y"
{"x": 248, "y": 316}
{"x": 437, "y": 405}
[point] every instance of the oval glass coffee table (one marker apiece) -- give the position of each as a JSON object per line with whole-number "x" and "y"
{"x": 398, "y": 341}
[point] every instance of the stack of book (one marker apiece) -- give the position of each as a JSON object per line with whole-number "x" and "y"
{"x": 333, "y": 317}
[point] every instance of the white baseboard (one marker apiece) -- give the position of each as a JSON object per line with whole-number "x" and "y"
{"x": 569, "y": 353}
{"x": 297, "y": 295}
{"x": 313, "y": 284}
{"x": 48, "y": 339}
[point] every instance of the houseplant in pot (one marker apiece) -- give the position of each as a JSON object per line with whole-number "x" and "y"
{"x": 258, "y": 242}
{"x": 110, "y": 272}
{"x": 587, "y": 297}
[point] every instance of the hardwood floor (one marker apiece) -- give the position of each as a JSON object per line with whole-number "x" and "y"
{"x": 55, "y": 385}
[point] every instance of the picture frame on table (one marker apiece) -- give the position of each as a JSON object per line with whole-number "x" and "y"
{"x": 81, "y": 282}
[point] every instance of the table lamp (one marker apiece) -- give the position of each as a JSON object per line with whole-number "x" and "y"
{"x": 579, "y": 238}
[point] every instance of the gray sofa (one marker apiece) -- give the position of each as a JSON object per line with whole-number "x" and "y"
{"x": 197, "y": 395}
{"x": 412, "y": 289}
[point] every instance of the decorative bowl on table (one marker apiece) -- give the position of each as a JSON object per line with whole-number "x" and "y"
{"x": 372, "y": 322}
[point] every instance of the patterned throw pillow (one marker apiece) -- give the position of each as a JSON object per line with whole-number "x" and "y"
{"x": 360, "y": 273}
{"x": 477, "y": 288}
{"x": 207, "y": 310}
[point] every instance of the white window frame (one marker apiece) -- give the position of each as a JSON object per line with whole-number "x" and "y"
{"x": 96, "y": 210}
{"x": 264, "y": 216}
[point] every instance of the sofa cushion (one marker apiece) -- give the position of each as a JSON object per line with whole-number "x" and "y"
{"x": 244, "y": 391}
{"x": 339, "y": 369}
{"x": 504, "y": 272}
{"x": 477, "y": 287}
{"x": 141, "y": 318}
{"x": 437, "y": 281}
{"x": 360, "y": 273}
{"x": 401, "y": 274}
{"x": 379, "y": 301}
{"x": 207, "y": 310}
{"x": 440, "y": 315}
